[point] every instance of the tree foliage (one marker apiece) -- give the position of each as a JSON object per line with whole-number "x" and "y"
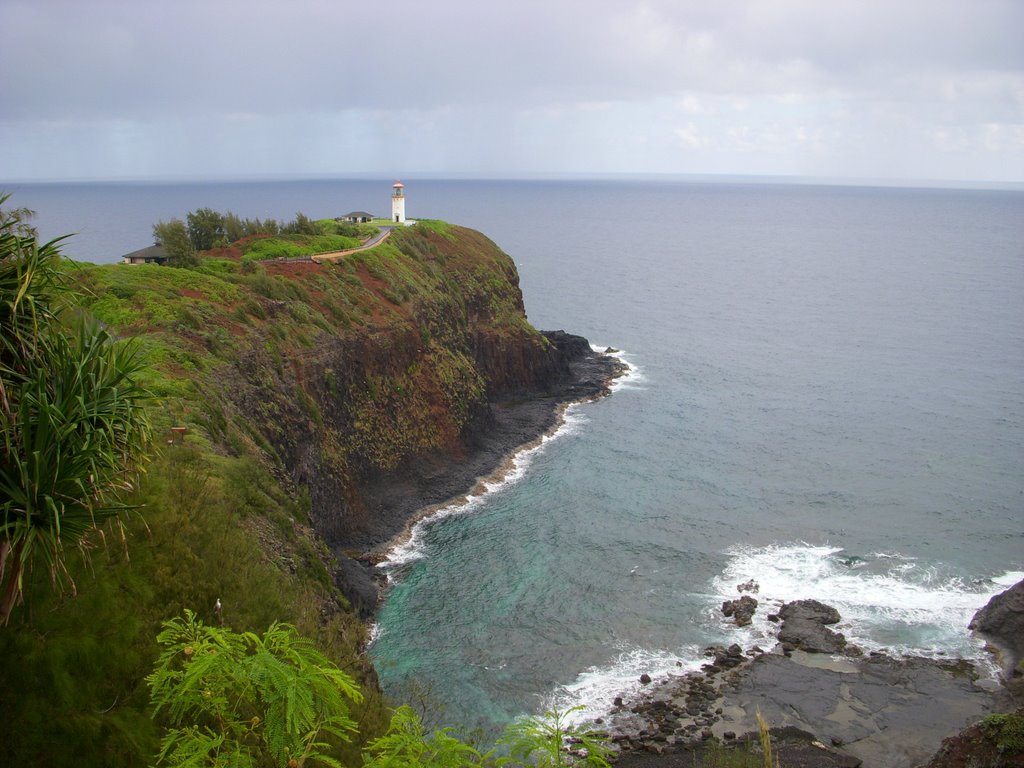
{"x": 235, "y": 227}
{"x": 238, "y": 699}
{"x": 205, "y": 228}
{"x": 301, "y": 225}
{"x": 176, "y": 241}
{"x": 72, "y": 420}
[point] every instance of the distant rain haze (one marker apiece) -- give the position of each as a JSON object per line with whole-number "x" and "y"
{"x": 857, "y": 89}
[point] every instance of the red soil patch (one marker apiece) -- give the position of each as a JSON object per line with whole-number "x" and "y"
{"x": 376, "y": 286}
{"x": 292, "y": 268}
{"x": 229, "y": 252}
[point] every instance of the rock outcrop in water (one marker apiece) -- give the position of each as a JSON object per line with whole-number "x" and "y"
{"x": 1001, "y": 622}
{"x": 741, "y": 609}
{"x": 804, "y": 627}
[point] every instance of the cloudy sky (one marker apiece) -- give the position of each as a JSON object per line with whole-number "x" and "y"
{"x": 858, "y": 89}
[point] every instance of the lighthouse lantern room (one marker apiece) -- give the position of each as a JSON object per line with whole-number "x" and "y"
{"x": 398, "y": 203}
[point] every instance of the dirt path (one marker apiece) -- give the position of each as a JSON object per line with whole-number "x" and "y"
{"x": 384, "y": 234}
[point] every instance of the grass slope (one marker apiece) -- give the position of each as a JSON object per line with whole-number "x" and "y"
{"x": 219, "y": 516}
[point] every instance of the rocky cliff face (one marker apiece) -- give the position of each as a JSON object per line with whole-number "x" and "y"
{"x": 368, "y": 388}
{"x": 1001, "y": 621}
{"x": 371, "y": 416}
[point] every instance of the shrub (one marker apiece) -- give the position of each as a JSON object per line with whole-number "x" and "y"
{"x": 1007, "y": 731}
{"x": 232, "y": 697}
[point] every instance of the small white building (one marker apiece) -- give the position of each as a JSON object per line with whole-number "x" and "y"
{"x": 398, "y": 203}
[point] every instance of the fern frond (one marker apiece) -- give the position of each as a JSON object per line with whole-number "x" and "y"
{"x": 248, "y": 697}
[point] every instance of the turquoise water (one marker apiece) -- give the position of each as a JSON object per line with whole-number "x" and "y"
{"x": 827, "y": 396}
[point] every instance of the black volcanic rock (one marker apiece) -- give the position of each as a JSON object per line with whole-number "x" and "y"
{"x": 811, "y": 636}
{"x": 809, "y": 610}
{"x": 355, "y": 580}
{"x": 742, "y": 609}
{"x": 1002, "y": 622}
{"x": 803, "y": 627}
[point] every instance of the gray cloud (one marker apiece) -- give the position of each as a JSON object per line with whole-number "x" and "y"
{"x": 476, "y": 79}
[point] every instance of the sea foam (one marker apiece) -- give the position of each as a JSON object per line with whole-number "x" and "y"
{"x": 887, "y": 601}
{"x": 596, "y": 688}
{"x": 632, "y": 378}
{"x": 414, "y": 546}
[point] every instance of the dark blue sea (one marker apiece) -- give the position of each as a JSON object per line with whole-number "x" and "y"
{"x": 826, "y": 396}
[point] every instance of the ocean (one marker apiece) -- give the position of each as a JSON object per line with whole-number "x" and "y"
{"x": 826, "y": 396}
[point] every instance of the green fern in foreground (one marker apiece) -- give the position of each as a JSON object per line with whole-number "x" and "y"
{"x": 238, "y": 700}
{"x": 242, "y": 700}
{"x": 407, "y": 745}
{"x": 543, "y": 741}
{"x": 547, "y": 741}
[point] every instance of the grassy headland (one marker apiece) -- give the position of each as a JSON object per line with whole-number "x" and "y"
{"x": 297, "y": 384}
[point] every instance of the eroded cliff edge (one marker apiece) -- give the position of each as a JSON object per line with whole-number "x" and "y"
{"x": 369, "y": 388}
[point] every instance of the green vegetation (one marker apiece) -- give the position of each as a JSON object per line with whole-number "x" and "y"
{"x": 243, "y": 699}
{"x": 348, "y": 369}
{"x": 238, "y": 699}
{"x": 541, "y": 741}
{"x": 205, "y": 228}
{"x": 545, "y": 742}
{"x": 1007, "y": 731}
{"x": 175, "y": 238}
{"x": 290, "y": 246}
{"x": 236, "y": 228}
{"x": 255, "y": 239}
{"x": 71, "y": 415}
{"x": 347, "y": 229}
{"x": 441, "y": 228}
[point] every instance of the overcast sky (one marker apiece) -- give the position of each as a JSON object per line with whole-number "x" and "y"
{"x": 859, "y": 89}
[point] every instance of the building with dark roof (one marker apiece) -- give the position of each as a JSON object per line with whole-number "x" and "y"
{"x": 154, "y": 254}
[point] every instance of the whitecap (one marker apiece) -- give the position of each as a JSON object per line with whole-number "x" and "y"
{"x": 1008, "y": 579}
{"x": 632, "y": 378}
{"x": 889, "y": 602}
{"x": 412, "y": 546}
{"x": 596, "y": 688}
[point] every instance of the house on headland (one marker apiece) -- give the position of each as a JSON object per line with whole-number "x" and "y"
{"x": 358, "y": 217}
{"x": 154, "y": 254}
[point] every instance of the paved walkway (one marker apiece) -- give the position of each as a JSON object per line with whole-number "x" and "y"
{"x": 374, "y": 241}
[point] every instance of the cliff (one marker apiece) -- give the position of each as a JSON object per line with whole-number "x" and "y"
{"x": 372, "y": 385}
{"x": 322, "y": 406}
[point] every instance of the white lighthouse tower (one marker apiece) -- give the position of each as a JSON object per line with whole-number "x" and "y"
{"x": 398, "y": 203}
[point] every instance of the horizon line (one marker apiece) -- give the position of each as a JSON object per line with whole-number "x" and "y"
{"x": 767, "y": 179}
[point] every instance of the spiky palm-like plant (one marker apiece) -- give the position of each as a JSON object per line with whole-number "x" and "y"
{"x": 73, "y": 430}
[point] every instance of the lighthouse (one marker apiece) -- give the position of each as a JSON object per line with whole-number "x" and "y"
{"x": 398, "y": 203}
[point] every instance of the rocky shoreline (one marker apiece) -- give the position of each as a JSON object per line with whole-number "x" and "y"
{"x": 514, "y": 424}
{"x": 827, "y": 702}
